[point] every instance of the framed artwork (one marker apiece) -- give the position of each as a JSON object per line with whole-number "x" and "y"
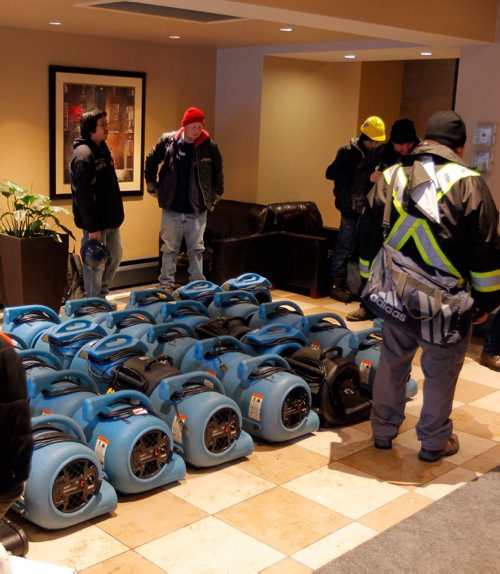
{"x": 73, "y": 91}
{"x": 482, "y": 160}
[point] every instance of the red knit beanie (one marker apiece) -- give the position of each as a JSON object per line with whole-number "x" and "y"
{"x": 192, "y": 115}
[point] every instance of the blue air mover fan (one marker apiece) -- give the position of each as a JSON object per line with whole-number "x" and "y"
{"x": 66, "y": 485}
{"x": 130, "y": 321}
{"x": 367, "y": 357}
{"x": 190, "y": 313}
{"x": 252, "y": 282}
{"x": 282, "y": 312}
{"x": 326, "y": 330}
{"x": 134, "y": 445}
{"x": 206, "y": 425}
{"x": 275, "y": 338}
{"x": 150, "y": 300}
{"x": 275, "y": 403}
{"x": 66, "y": 339}
{"x": 242, "y": 304}
{"x": 94, "y": 308}
{"x": 170, "y": 339}
{"x": 100, "y": 358}
{"x": 60, "y": 392}
{"x": 201, "y": 290}
{"x": 28, "y": 322}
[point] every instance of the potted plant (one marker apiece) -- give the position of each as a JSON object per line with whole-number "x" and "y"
{"x": 33, "y": 249}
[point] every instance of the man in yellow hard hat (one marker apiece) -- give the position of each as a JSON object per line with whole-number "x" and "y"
{"x": 342, "y": 171}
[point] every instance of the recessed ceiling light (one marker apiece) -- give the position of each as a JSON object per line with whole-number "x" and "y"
{"x": 174, "y": 37}
{"x": 286, "y": 29}
{"x": 55, "y": 23}
{"x": 426, "y": 53}
{"x": 350, "y": 56}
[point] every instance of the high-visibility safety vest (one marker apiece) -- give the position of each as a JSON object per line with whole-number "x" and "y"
{"x": 418, "y": 229}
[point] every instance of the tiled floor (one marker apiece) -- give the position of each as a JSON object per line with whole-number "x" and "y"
{"x": 287, "y": 508}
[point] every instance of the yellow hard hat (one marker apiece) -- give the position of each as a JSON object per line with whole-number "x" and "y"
{"x": 374, "y": 128}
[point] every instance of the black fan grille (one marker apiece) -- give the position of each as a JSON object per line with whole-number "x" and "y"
{"x": 150, "y": 454}
{"x": 75, "y": 485}
{"x": 295, "y": 407}
{"x": 222, "y": 430}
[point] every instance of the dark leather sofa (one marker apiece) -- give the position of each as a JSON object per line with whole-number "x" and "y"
{"x": 285, "y": 242}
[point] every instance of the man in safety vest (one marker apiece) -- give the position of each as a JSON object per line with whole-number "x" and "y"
{"x": 443, "y": 216}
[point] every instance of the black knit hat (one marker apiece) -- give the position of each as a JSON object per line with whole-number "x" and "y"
{"x": 447, "y": 128}
{"x": 403, "y": 131}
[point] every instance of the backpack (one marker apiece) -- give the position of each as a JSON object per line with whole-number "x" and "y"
{"x": 334, "y": 382}
{"x": 143, "y": 374}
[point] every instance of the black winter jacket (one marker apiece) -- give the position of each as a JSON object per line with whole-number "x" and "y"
{"x": 467, "y": 231}
{"x": 343, "y": 171}
{"x": 207, "y": 169}
{"x": 16, "y": 444}
{"x": 97, "y": 200}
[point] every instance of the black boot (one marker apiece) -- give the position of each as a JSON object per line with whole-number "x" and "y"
{"x": 339, "y": 292}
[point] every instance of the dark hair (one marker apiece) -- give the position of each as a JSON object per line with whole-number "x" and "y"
{"x": 88, "y": 122}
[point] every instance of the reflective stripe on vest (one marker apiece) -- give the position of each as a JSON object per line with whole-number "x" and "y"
{"x": 486, "y": 282}
{"x": 407, "y": 226}
{"x": 364, "y": 268}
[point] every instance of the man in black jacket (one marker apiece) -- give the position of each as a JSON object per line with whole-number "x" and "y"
{"x": 342, "y": 171}
{"x": 16, "y": 445}
{"x": 189, "y": 183}
{"x": 97, "y": 200}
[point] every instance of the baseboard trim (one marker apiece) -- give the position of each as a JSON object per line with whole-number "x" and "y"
{"x": 134, "y": 272}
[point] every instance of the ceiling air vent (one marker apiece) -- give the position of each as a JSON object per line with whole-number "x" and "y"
{"x": 166, "y": 12}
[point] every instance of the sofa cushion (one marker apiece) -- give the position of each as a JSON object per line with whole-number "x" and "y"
{"x": 295, "y": 217}
{"x": 235, "y": 219}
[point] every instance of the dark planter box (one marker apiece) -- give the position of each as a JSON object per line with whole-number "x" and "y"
{"x": 33, "y": 271}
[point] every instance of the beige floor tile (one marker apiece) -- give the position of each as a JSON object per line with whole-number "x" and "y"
{"x": 480, "y": 422}
{"x": 345, "y": 490}
{"x": 77, "y": 547}
{"x": 336, "y": 443}
{"x": 473, "y": 371}
{"x": 485, "y": 461}
{"x": 468, "y": 391}
{"x": 489, "y": 402}
{"x": 279, "y": 463}
{"x": 287, "y": 566}
{"x": 283, "y": 520}
{"x": 470, "y": 445}
{"x": 447, "y": 483}
{"x": 334, "y": 545}
{"x": 395, "y": 511}
{"x": 126, "y": 563}
{"x": 140, "y": 519}
{"x": 399, "y": 466}
{"x": 204, "y": 491}
{"x": 209, "y": 546}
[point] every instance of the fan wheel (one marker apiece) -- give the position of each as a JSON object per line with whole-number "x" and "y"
{"x": 75, "y": 485}
{"x": 150, "y": 454}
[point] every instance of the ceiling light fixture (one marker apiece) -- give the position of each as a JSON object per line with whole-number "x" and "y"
{"x": 426, "y": 53}
{"x": 286, "y": 29}
{"x": 350, "y": 56}
{"x": 174, "y": 37}
{"x": 55, "y": 23}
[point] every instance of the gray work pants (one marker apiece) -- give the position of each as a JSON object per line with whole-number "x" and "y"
{"x": 441, "y": 367}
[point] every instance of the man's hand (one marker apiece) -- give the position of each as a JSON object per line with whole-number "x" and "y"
{"x": 95, "y": 235}
{"x": 152, "y": 189}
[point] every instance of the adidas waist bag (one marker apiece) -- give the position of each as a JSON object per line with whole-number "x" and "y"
{"x": 433, "y": 307}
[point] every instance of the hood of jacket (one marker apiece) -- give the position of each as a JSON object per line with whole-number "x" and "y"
{"x": 202, "y": 137}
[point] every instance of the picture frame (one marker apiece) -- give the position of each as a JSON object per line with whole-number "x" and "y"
{"x": 484, "y": 134}
{"x": 72, "y": 91}
{"x": 482, "y": 160}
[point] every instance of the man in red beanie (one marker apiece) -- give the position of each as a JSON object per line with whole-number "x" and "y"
{"x": 190, "y": 182}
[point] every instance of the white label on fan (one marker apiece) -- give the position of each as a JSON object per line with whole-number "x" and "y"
{"x": 100, "y": 448}
{"x": 255, "y": 406}
{"x": 178, "y": 425}
{"x": 365, "y": 368}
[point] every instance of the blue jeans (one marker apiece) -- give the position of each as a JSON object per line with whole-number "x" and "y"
{"x": 344, "y": 247}
{"x": 98, "y": 281}
{"x": 175, "y": 226}
{"x": 492, "y": 337}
